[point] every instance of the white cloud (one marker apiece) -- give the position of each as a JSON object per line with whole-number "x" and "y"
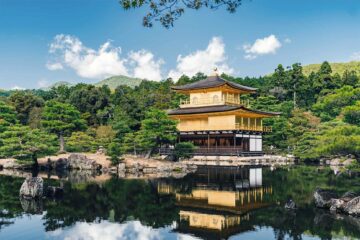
{"x": 87, "y": 62}
{"x": 106, "y": 61}
{"x": 145, "y": 65}
{"x": 203, "y": 61}
{"x": 106, "y": 230}
{"x": 54, "y": 66}
{"x": 43, "y": 83}
{"x": 16, "y": 87}
{"x": 355, "y": 56}
{"x": 287, "y": 40}
{"x": 263, "y": 46}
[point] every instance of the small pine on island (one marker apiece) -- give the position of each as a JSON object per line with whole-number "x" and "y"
{"x": 217, "y": 120}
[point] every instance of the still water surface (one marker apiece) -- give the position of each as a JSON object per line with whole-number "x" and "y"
{"x": 213, "y": 203}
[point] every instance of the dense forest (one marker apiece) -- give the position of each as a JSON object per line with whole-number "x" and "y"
{"x": 320, "y": 115}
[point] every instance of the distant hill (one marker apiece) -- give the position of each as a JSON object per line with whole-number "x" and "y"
{"x": 115, "y": 81}
{"x": 57, "y": 84}
{"x": 336, "y": 67}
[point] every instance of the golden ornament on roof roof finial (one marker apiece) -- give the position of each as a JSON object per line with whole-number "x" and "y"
{"x": 215, "y": 71}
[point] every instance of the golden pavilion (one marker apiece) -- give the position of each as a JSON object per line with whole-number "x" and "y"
{"x": 217, "y": 119}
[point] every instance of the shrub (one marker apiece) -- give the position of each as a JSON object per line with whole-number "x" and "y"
{"x": 184, "y": 150}
{"x": 352, "y": 114}
{"x": 114, "y": 151}
{"x": 80, "y": 142}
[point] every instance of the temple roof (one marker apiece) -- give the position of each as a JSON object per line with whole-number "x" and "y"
{"x": 212, "y": 109}
{"x": 211, "y": 82}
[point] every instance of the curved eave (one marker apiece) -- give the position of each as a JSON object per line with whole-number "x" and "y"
{"x": 219, "y": 110}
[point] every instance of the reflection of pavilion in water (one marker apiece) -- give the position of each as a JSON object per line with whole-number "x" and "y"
{"x": 220, "y": 200}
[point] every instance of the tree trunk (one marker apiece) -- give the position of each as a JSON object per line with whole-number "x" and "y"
{"x": 62, "y": 142}
{"x": 148, "y": 154}
{"x": 35, "y": 170}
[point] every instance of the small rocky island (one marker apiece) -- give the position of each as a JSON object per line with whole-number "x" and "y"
{"x": 348, "y": 203}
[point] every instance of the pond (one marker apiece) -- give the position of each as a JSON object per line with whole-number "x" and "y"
{"x": 213, "y": 203}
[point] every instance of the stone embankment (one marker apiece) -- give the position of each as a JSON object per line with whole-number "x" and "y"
{"x": 348, "y": 203}
{"x": 130, "y": 167}
{"x": 134, "y": 167}
{"x": 266, "y": 160}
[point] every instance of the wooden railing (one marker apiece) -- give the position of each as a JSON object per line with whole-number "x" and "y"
{"x": 213, "y": 101}
{"x": 238, "y": 126}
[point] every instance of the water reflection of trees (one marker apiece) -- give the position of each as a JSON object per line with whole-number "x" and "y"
{"x": 116, "y": 200}
{"x": 124, "y": 200}
{"x": 10, "y": 205}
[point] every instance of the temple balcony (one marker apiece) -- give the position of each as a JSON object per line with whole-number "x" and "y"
{"x": 213, "y": 101}
{"x": 237, "y": 126}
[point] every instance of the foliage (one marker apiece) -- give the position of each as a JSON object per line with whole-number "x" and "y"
{"x": 120, "y": 123}
{"x": 114, "y": 150}
{"x": 34, "y": 120}
{"x": 330, "y": 105}
{"x": 90, "y": 100}
{"x": 352, "y": 114}
{"x": 24, "y": 143}
{"x": 24, "y": 102}
{"x": 339, "y": 140}
{"x": 156, "y": 129}
{"x": 166, "y": 11}
{"x": 299, "y": 124}
{"x": 184, "y": 150}
{"x": 7, "y": 116}
{"x": 61, "y": 119}
{"x": 129, "y": 116}
{"x": 80, "y": 142}
{"x": 104, "y": 135}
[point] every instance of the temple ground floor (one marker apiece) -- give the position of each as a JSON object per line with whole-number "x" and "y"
{"x": 234, "y": 143}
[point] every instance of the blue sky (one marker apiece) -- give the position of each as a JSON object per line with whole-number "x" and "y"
{"x": 45, "y": 41}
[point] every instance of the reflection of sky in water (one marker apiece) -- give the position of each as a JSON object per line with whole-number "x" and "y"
{"x": 263, "y": 233}
{"x": 31, "y": 227}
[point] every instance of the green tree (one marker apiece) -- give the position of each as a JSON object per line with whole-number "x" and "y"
{"x": 115, "y": 151}
{"x": 299, "y": 124}
{"x": 330, "y": 105}
{"x": 350, "y": 78}
{"x": 24, "y": 102}
{"x": 340, "y": 139}
{"x": 295, "y": 82}
{"x": 324, "y": 79}
{"x": 7, "y": 116}
{"x": 61, "y": 119}
{"x": 156, "y": 129}
{"x": 279, "y": 78}
{"x": 305, "y": 147}
{"x": 184, "y": 150}
{"x": 277, "y": 139}
{"x": 92, "y": 101}
{"x": 352, "y": 114}
{"x": 80, "y": 142}
{"x": 120, "y": 123}
{"x": 34, "y": 120}
{"x": 24, "y": 143}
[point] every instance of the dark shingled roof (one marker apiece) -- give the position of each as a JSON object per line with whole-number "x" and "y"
{"x": 210, "y": 82}
{"x": 220, "y": 108}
